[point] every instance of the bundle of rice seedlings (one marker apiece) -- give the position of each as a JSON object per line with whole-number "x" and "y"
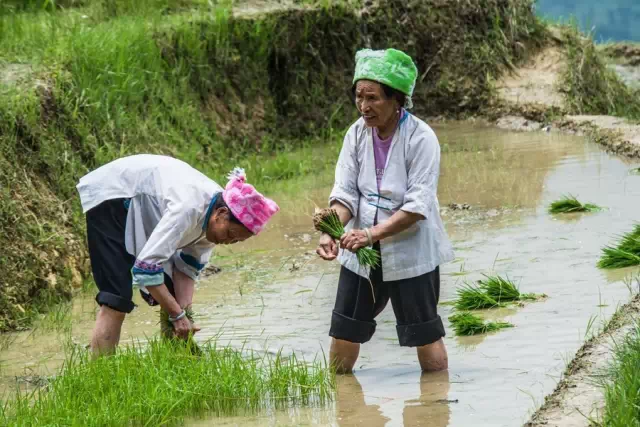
{"x": 625, "y": 254}
{"x": 569, "y": 204}
{"x": 166, "y": 331}
{"x": 465, "y": 324}
{"x": 472, "y": 297}
{"x": 504, "y": 290}
{"x": 328, "y": 221}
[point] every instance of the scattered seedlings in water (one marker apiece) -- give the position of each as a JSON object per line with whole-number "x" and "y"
{"x": 465, "y": 324}
{"x": 328, "y": 221}
{"x": 472, "y": 297}
{"x": 504, "y": 290}
{"x": 165, "y": 383}
{"x": 569, "y": 204}
{"x": 626, "y": 254}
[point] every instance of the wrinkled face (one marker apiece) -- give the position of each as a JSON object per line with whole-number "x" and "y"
{"x": 222, "y": 231}
{"x": 376, "y": 109}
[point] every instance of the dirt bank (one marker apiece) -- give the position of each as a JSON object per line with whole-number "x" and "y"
{"x": 535, "y": 96}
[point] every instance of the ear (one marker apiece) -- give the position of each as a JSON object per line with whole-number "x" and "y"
{"x": 220, "y": 213}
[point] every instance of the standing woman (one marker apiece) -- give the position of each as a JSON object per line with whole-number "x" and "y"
{"x": 385, "y": 191}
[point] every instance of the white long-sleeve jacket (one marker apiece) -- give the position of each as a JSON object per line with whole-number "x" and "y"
{"x": 410, "y": 183}
{"x": 169, "y": 204}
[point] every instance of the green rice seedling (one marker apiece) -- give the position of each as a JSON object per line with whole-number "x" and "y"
{"x": 471, "y": 297}
{"x": 166, "y": 332}
{"x": 163, "y": 384}
{"x": 569, "y": 204}
{"x": 625, "y": 254}
{"x": 504, "y": 290}
{"x": 465, "y": 324}
{"x": 328, "y": 221}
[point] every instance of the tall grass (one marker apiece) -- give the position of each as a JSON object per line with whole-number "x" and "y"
{"x": 622, "y": 384}
{"x": 164, "y": 384}
{"x": 465, "y": 324}
{"x": 625, "y": 254}
{"x": 589, "y": 86}
{"x": 570, "y": 204}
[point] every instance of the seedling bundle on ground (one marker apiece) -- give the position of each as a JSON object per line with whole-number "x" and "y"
{"x": 164, "y": 383}
{"x": 491, "y": 292}
{"x": 625, "y": 254}
{"x": 569, "y": 204}
{"x": 466, "y": 323}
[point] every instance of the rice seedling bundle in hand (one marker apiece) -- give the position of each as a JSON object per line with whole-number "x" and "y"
{"x": 465, "y": 324}
{"x": 569, "y": 204}
{"x": 328, "y": 221}
{"x": 625, "y": 254}
{"x": 504, "y": 290}
{"x": 166, "y": 331}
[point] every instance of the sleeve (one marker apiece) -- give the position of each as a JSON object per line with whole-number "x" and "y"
{"x": 423, "y": 169}
{"x": 193, "y": 259}
{"x": 162, "y": 245}
{"x": 345, "y": 188}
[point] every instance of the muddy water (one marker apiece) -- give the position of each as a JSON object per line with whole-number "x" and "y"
{"x": 274, "y": 293}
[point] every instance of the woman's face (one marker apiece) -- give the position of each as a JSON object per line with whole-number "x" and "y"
{"x": 222, "y": 231}
{"x": 376, "y": 109}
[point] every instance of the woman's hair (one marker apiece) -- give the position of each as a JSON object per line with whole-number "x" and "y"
{"x": 389, "y": 92}
{"x": 220, "y": 203}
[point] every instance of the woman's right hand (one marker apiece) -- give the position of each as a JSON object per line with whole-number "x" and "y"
{"x": 183, "y": 328}
{"x": 327, "y": 248}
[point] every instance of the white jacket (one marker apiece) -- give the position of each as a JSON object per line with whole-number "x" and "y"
{"x": 410, "y": 183}
{"x": 169, "y": 207}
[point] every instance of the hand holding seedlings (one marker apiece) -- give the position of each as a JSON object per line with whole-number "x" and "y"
{"x": 183, "y": 328}
{"x": 327, "y": 247}
{"x": 354, "y": 240}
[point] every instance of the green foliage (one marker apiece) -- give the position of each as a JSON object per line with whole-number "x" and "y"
{"x": 589, "y": 86}
{"x": 465, "y": 324}
{"x": 625, "y": 254}
{"x": 569, "y": 204}
{"x": 165, "y": 384}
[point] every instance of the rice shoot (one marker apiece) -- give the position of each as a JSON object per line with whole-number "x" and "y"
{"x": 570, "y": 204}
{"x": 166, "y": 331}
{"x": 328, "y": 221}
{"x": 504, "y": 290}
{"x": 625, "y": 254}
{"x": 471, "y": 297}
{"x": 466, "y": 324}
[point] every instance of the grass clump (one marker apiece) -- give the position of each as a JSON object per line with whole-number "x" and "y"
{"x": 570, "y": 204}
{"x": 472, "y": 297}
{"x": 589, "y": 86}
{"x": 465, "y": 324}
{"x": 504, "y": 290}
{"x": 622, "y": 385}
{"x": 164, "y": 384}
{"x": 625, "y": 254}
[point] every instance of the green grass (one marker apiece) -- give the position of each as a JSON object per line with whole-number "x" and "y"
{"x": 472, "y": 297}
{"x": 465, "y": 324}
{"x": 589, "y": 86}
{"x": 570, "y": 204}
{"x": 621, "y": 384}
{"x": 504, "y": 290}
{"x": 625, "y": 254}
{"x": 164, "y": 384}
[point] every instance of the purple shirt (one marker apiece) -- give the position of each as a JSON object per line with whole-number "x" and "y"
{"x": 381, "y": 151}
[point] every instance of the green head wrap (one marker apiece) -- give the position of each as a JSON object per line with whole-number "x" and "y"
{"x": 390, "y": 67}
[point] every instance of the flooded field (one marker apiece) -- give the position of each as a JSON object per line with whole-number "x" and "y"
{"x": 273, "y": 293}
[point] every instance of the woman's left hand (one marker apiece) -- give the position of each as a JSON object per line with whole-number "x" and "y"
{"x": 354, "y": 240}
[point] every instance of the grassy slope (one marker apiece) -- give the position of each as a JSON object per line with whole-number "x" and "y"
{"x": 103, "y": 78}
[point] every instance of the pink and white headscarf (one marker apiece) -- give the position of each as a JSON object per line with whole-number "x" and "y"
{"x": 250, "y": 207}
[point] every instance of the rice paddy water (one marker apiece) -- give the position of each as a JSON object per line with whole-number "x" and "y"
{"x": 274, "y": 296}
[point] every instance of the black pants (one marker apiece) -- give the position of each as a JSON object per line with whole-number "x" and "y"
{"x": 111, "y": 264}
{"x": 414, "y": 302}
